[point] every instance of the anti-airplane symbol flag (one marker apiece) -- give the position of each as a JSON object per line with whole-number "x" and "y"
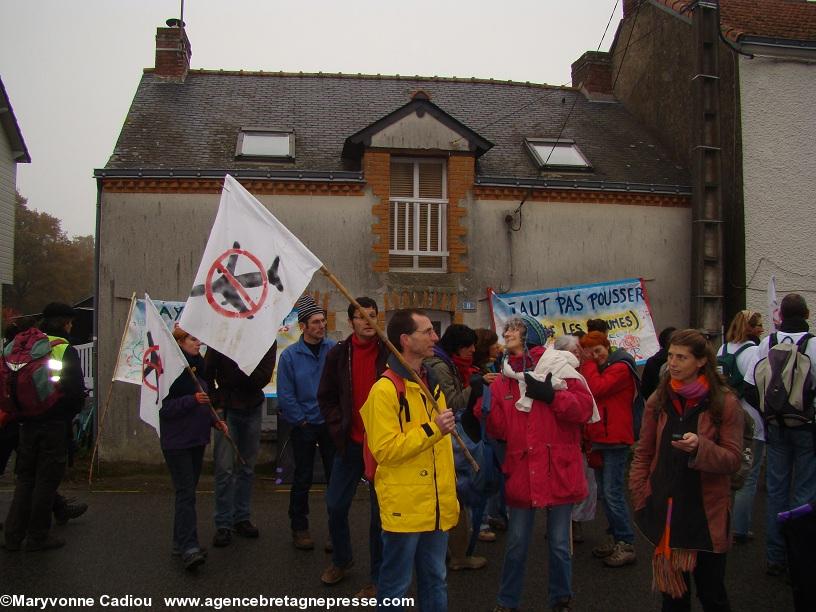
{"x": 162, "y": 364}
{"x": 252, "y": 272}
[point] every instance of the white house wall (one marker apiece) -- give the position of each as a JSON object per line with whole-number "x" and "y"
{"x": 562, "y": 244}
{"x": 779, "y": 148}
{"x": 8, "y": 183}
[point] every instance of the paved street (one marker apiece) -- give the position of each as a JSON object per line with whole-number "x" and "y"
{"x": 122, "y": 547}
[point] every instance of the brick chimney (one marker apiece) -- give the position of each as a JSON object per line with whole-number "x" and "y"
{"x": 173, "y": 51}
{"x": 592, "y": 72}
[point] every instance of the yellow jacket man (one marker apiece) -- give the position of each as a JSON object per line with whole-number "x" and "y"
{"x": 415, "y": 479}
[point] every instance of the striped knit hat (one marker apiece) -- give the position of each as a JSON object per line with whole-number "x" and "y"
{"x": 306, "y": 307}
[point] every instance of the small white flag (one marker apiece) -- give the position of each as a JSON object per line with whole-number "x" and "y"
{"x": 252, "y": 272}
{"x": 162, "y": 364}
{"x": 773, "y": 306}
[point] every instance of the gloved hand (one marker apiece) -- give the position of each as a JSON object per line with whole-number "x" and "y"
{"x": 538, "y": 390}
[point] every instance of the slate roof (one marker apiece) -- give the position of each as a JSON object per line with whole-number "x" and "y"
{"x": 781, "y": 19}
{"x": 195, "y": 124}
{"x": 8, "y": 122}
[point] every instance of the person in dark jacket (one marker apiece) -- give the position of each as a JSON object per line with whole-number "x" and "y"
{"x": 651, "y": 371}
{"x": 352, "y": 367}
{"x": 238, "y": 400}
{"x": 185, "y": 419}
{"x": 42, "y": 450}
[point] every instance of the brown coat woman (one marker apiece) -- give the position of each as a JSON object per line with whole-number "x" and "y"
{"x": 690, "y": 444}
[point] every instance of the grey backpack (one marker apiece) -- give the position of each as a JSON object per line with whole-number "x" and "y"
{"x": 785, "y": 384}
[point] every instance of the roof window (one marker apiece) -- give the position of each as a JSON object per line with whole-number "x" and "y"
{"x": 266, "y": 145}
{"x": 557, "y": 153}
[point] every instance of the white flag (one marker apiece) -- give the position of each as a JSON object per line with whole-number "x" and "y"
{"x": 773, "y": 306}
{"x": 252, "y": 272}
{"x": 162, "y": 364}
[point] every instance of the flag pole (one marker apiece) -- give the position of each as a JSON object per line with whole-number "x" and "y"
{"x": 215, "y": 414}
{"x": 416, "y": 378}
{"x": 110, "y": 389}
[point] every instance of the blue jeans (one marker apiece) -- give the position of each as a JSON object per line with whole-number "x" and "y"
{"x": 424, "y": 551}
{"x": 519, "y": 535}
{"x": 345, "y": 476}
{"x": 743, "y": 512}
{"x": 305, "y": 440}
{"x": 790, "y": 463}
{"x": 185, "y": 468}
{"x": 612, "y": 486}
{"x": 233, "y": 481}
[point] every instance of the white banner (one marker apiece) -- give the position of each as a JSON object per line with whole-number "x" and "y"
{"x": 252, "y": 272}
{"x": 162, "y": 364}
{"x": 773, "y": 307}
{"x": 622, "y": 304}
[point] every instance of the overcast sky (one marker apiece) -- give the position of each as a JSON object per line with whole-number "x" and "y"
{"x": 71, "y": 67}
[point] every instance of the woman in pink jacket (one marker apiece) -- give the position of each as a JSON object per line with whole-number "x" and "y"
{"x": 543, "y": 464}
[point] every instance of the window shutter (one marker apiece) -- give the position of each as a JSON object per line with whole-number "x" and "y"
{"x": 402, "y": 180}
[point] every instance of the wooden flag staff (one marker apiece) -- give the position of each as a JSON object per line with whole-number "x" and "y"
{"x": 401, "y": 359}
{"x": 110, "y": 389}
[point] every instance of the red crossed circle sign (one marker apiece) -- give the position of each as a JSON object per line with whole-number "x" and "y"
{"x": 220, "y": 267}
{"x": 157, "y": 366}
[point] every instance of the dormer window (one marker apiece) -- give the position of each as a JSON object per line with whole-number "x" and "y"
{"x": 271, "y": 145}
{"x": 557, "y": 154}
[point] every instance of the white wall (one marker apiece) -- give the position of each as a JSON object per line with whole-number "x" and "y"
{"x": 779, "y": 149}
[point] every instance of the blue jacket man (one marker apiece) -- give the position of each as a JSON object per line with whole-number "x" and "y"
{"x": 299, "y": 371}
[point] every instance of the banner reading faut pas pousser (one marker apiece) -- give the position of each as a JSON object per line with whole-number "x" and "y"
{"x": 252, "y": 272}
{"x": 622, "y": 304}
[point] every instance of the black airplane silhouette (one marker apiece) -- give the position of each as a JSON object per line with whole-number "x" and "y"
{"x": 151, "y": 362}
{"x": 247, "y": 280}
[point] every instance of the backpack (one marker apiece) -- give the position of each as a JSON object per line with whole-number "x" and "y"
{"x": 785, "y": 384}
{"x": 369, "y": 462}
{"x": 26, "y": 385}
{"x": 727, "y": 364}
{"x": 638, "y": 401}
{"x": 746, "y": 453}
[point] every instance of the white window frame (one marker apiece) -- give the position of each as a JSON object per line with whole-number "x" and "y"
{"x": 413, "y": 207}
{"x": 532, "y": 143}
{"x": 239, "y": 145}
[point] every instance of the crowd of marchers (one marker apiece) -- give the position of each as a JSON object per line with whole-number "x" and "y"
{"x": 460, "y": 436}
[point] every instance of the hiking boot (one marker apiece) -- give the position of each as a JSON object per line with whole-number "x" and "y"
{"x": 605, "y": 549}
{"x": 471, "y": 563}
{"x": 497, "y": 523}
{"x": 302, "y": 540}
{"x": 222, "y": 537}
{"x": 246, "y": 529}
{"x": 328, "y": 547}
{"x": 577, "y": 532}
{"x": 624, "y": 554}
{"x": 193, "y": 560}
{"x": 776, "y": 569}
{"x": 369, "y": 591}
{"x": 563, "y": 605}
{"x": 70, "y": 510}
{"x": 47, "y": 544}
{"x": 176, "y": 552}
{"x": 485, "y": 535}
{"x": 743, "y": 538}
{"x": 334, "y": 574}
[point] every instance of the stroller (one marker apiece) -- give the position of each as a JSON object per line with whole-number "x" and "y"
{"x": 799, "y": 531}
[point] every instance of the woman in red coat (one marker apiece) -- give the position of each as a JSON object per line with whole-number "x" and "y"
{"x": 613, "y": 386}
{"x": 690, "y": 444}
{"x": 542, "y": 464}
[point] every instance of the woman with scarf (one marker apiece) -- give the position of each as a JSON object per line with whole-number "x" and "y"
{"x": 541, "y": 421}
{"x": 680, "y": 479}
{"x": 185, "y": 420}
{"x": 452, "y": 367}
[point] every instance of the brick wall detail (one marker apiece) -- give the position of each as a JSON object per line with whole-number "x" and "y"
{"x": 461, "y": 175}
{"x": 377, "y": 173}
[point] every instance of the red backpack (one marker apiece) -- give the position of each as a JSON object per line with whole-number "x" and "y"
{"x": 27, "y": 388}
